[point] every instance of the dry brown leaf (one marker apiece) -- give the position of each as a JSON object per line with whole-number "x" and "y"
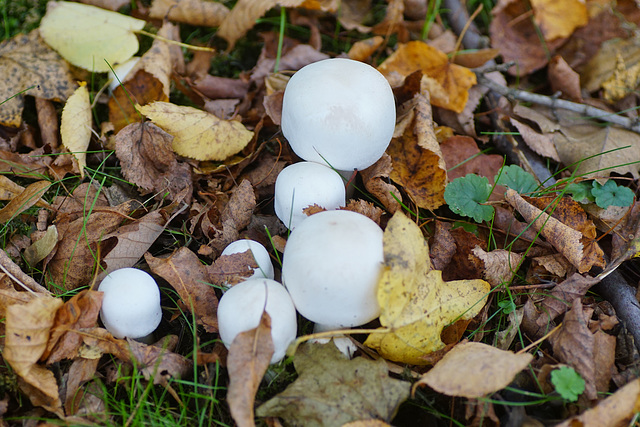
{"x": 106, "y": 4}
{"x": 232, "y": 269}
{"x": 581, "y": 251}
{"x": 189, "y": 277}
{"x": 42, "y": 247}
{"x": 462, "y": 157}
{"x": 564, "y": 79}
{"x": 156, "y": 362}
{"x": 559, "y": 18}
{"x": 453, "y": 80}
{"x": 198, "y": 134}
{"x": 244, "y": 15}
{"x": 23, "y": 201}
{"x": 80, "y": 312}
{"x": 27, "y": 62}
{"x": 541, "y": 143}
{"x": 417, "y": 160}
{"x": 193, "y": 12}
{"x": 363, "y": 49}
{"x": 376, "y": 181}
{"x": 603, "y": 65}
{"x": 443, "y": 247}
{"x": 474, "y": 370}
{"x": 80, "y": 371}
{"x": 249, "y": 357}
{"x": 27, "y": 332}
{"x": 147, "y": 160}
{"x": 500, "y": 266}
{"x": 617, "y": 409}
{"x": 365, "y": 208}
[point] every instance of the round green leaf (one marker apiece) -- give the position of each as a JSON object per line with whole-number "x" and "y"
{"x": 464, "y": 196}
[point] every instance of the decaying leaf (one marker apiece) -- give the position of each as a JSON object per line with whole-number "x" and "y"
{"x": 23, "y": 201}
{"x": 90, "y": 37}
{"x": 375, "y": 179}
{"x": 323, "y": 374}
{"x": 198, "y": 134}
{"x": 193, "y": 12}
{"x": 416, "y": 304}
{"x": 75, "y": 127}
{"x": 249, "y": 357}
{"x": 559, "y": 18}
{"x": 500, "y": 265}
{"x": 474, "y": 370}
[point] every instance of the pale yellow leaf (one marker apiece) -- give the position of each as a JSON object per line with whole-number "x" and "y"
{"x": 75, "y": 126}
{"x": 88, "y": 36}
{"x": 416, "y": 304}
{"x": 474, "y": 370}
{"x": 198, "y": 134}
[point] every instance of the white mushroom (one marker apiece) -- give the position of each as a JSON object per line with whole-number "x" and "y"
{"x": 343, "y": 343}
{"x": 121, "y": 71}
{"x": 240, "y": 310}
{"x": 260, "y": 254}
{"x": 131, "y": 303}
{"x": 303, "y": 184}
{"x": 331, "y": 265}
{"x": 338, "y": 111}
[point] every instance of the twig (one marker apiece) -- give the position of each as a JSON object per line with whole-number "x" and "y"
{"x": 583, "y": 109}
{"x": 17, "y": 275}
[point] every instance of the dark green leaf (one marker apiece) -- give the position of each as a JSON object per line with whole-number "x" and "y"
{"x": 517, "y": 179}
{"x": 611, "y": 194}
{"x": 464, "y": 196}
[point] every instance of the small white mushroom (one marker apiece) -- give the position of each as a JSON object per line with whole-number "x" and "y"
{"x": 339, "y": 111}
{"x": 121, "y": 71}
{"x": 240, "y": 310}
{"x": 260, "y": 254}
{"x": 343, "y": 343}
{"x": 303, "y": 184}
{"x": 331, "y": 266}
{"x": 131, "y": 303}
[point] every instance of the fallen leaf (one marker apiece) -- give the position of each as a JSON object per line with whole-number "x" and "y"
{"x": 564, "y": 79}
{"x": 417, "y": 160}
{"x": 416, "y": 304}
{"x": 363, "y": 49}
{"x": 189, "y": 277}
{"x": 42, "y": 247}
{"x": 26, "y": 62}
{"x": 376, "y": 181}
{"x": 23, "y": 201}
{"x": 474, "y": 370}
{"x": 500, "y": 266}
{"x": 156, "y": 362}
{"x": 80, "y": 371}
{"x": 540, "y": 142}
{"x": 198, "y": 134}
{"x": 454, "y": 80}
{"x": 193, "y": 12}
{"x": 559, "y": 18}
{"x": 232, "y": 269}
{"x": 90, "y": 37}
{"x": 27, "y": 332}
{"x": 364, "y": 388}
{"x": 249, "y": 357}
{"x": 75, "y": 126}
{"x": 147, "y": 160}
{"x": 617, "y": 409}
{"x": 462, "y": 157}
{"x": 581, "y": 251}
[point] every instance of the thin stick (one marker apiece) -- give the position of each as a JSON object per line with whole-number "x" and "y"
{"x": 12, "y": 270}
{"x": 583, "y": 109}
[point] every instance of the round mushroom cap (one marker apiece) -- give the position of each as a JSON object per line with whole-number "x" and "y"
{"x": 303, "y": 184}
{"x": 240, "y": 310}
{"x": 131, "y": 303}
{"x": 331, "y": 266}
{"x": 260, "y": 254}
{"x": 339, "y": 111}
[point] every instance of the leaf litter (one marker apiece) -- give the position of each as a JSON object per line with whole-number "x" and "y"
{"x": 460, "y": 315}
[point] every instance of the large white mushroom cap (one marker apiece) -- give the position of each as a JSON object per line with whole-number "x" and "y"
{"x": 303, "y": 184}
{"x": 260, "y": 254}
{"x": 331, "y": 266}
{"x": 240, "y": 310}
{"x": 131, "y": 303}
{"x": 339, "y": 111}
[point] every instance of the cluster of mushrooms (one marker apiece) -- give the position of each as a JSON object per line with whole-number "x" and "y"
{"x": 338, "y": 115}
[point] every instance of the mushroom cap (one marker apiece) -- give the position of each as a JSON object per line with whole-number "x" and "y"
{"x": 122, "y": 71}
{"x": 240, "y": 310}
{"x": 260, "y": 254}
{"x": 302, "y": 184}
{"x": 131, "y": 303}
{"x": 331, "y": 266}
{"x": 339, "y": 111}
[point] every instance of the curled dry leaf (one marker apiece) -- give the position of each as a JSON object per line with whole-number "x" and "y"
{"x": 26, "y": 62}
{"x": 198, "y": 134}
{"x": 232, "y": 269}
{"x": 193, "y": 12}
{"x": 500, "y": 266}
{"x": 416, "y": 304}
{"x": 249, "y": 357}
{"x": 75, "y": 126}
{"x": 155, "y": 361}
{"x": 27, "y": 332}
{"x": 23, "y": 201}
{"x": 147, "y": 160}
{"x": 582, "y": 252}
{"x": 189, "y": 277}
{"x": 453, "y": 80}
{"x": 376, "y": 181}
{"x": 42, "y": 247}
{"x": 474, "y": 370}
{"x": 90, "y": 37}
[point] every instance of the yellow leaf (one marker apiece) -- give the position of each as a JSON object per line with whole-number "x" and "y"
{"x": 198, "y": 134}
{"x": 559, "y": 18}
{"x": 75, "y": 125}
{"x": 87, "y": 36}
{"x": 416, "y": 304}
